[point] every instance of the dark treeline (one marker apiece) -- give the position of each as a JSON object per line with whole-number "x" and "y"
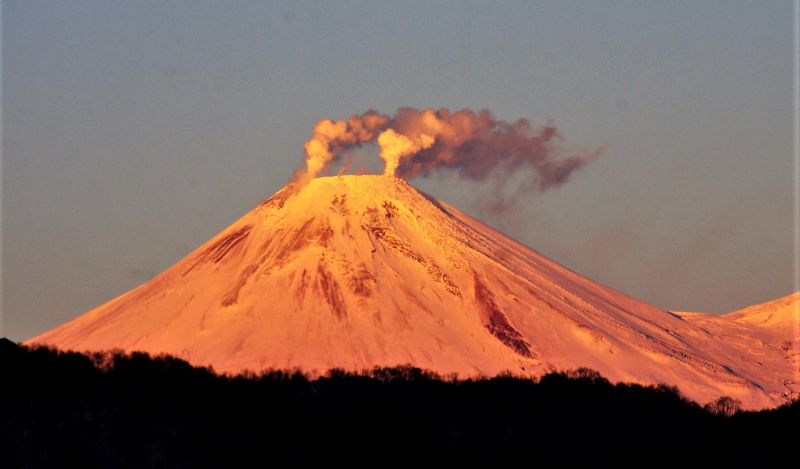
{"x": 71, "y": 410}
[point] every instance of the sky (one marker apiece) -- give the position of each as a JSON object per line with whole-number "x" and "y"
{"x": 132, "y": 132}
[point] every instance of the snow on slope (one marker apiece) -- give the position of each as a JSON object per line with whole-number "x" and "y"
{"x": 766, "y": 338}
{"x": 777, "y": 318}
{"x": 359, "y": 271}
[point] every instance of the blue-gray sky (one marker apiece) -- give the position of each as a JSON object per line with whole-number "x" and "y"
{"x": 134, "y": 131}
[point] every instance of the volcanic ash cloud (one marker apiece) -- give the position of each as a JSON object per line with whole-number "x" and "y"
{"x": 474, "y": 145}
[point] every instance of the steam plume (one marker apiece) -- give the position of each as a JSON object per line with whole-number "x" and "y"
{"x": 331, "y": 138}
{"x": 396, "y": 147}
{"x": 473, "y": 144}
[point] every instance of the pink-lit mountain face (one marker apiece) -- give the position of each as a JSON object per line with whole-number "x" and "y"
{"x": 361, "y": 271}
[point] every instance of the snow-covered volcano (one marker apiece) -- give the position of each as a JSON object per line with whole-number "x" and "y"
{"x": 358, "y": 271}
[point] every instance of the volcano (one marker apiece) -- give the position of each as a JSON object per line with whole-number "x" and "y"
{"x": 354, "y": 272}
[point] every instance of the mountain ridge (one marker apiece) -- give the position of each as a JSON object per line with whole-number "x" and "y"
{"x": 360, "y": 271}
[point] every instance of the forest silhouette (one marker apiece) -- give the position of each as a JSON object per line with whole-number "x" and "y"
{"x": 67, "y": 409}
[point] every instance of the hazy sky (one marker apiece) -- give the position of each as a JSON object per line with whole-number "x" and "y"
{"x": 134, "y": 131}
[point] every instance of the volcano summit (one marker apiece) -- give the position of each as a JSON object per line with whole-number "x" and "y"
{"x": 360, "y": 271}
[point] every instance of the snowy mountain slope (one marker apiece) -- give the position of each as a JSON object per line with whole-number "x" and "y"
{"x": 359, "y": 271}
{"x": 777, "y": 318}
{"x": 766, "y": 338}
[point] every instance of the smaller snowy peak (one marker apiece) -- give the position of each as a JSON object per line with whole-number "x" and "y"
{"x": 782, "y": 314}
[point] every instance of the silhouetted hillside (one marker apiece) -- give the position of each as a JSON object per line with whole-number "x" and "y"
{"x": 67, "y": 409}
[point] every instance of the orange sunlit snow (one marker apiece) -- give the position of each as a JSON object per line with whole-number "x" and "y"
{"x": 362, "y": 271}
